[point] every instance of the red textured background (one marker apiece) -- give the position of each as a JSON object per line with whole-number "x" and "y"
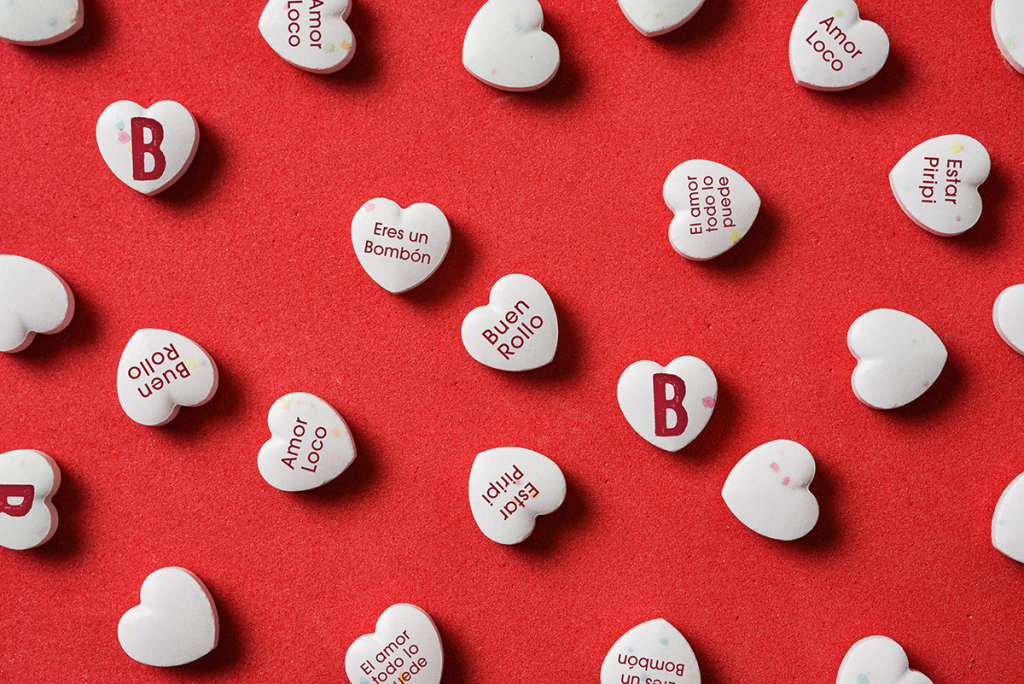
{"x": 250, "y": 255}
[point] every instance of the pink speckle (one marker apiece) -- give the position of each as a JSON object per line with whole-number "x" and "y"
{"x": 122, "y": 137}
{"x": 785, "y": 481}
{"x": 709, "y": 402}
{"x": 958, "y": 219}
{"x": 774, "y": 466}
{"x": 368, "y": 206}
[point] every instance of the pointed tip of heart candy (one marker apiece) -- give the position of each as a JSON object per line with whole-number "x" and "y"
{"x": 33, "y": 299}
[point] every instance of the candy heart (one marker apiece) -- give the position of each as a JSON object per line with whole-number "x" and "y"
{"x": 28, "y": 480}
{"x": 148, "y": 149}
{"x": 175, "y": 623}
{"x": 517, "y": 330}
{"x": 1008, "y": 521}
{"x": 878, "y": 660}
{"x": 1008, "y": 29}
{"x": 668, "y": 406}
{"x": 33, "y": 299}
{"x": 404, "y": 648}
{"x": 310, "y": 444}
{"x": 161, "y": 371}
{"x": 310, "y": 34}
{"x": 767, "y": 490}
{"x": 898, "y": 358}
{"x": 400, "y": 248}
{"x": 936, "y": 183}
{"x": 509, "y": 487}
{"x": 1008, "y": 315}
{"x": 656, "y": 17}
{"x": 714, "y": 208}
{"x": 39, "y": 22}
{"x": 832, "y": 48}
{"x": 506, "y": 48}
{"x": 652, "y": 651}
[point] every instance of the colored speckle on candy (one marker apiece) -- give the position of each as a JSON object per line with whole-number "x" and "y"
{"x": 1010, "y": 44}
{"x": 336, "y": 432}
{"x": 329, "y": 47}
{"x": 734, "y": 236}
{"x": 957, "y": 148}
{"x": 119, "y": 125}
{"x": 664, "y": 641}
{"x": 123, "y": 137}
{"x": 862, "y": 679}
{"x": 839, "y": 13}
{"x": 513, "y": 15}
{"x": 709, "y": 402}
{"x": 774, "y": 466}
{"x": 345, "y": 45}
{"x": 286, "y": 404}
{"x": 368, "y": 206}
{"x": 785, "y": 481}
{"x": 191, "y": 363}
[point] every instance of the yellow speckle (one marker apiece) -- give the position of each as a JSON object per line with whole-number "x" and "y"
{"x": 345, "y": 45}
{"x": 657, "y": 14}
{"x": 957, "y": 148}
{"x": 286, "y": 404}
{"x": 73, "y": 16}
{"x": 513, "y": 15}
{"x": 336, "y": 432}
{"x": 191, "y": 363}
{"x": 128, "y": 146}
{"x": 734, "y": 236}
{"x": 1010, "y": 44}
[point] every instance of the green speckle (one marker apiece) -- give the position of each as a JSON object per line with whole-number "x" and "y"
{"x": 1010, "y": 44}
{"x": 839, "y": 13}
{"x": 329, "y": 47}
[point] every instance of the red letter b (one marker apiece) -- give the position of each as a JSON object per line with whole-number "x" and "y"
{"x": 140, "y": 147}
{"x": 663, "y": 404}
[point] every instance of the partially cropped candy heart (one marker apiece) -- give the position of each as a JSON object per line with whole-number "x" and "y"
{"x": 506, "y": 47}
{"x": 878, "y": 660}
{"x": 405, "y": 647}
{"x": 1008, "y": 316}
{"x": 1008, "y": 521}
{"x": 28, "y": 480}
{"x": 1008, "y": 29}
{"x": 39, "y": 22}
{"x": 668, "y": 406}
{"x": 400, "y": 248}
{"x": 310, "y": 444}
{"x": 654, "y": 650}
{"x": 657, "y": 17}
{"x": 832, "y": 48}
{"x": 509, "y": 487}
{"x": 33, "y": 299}
{"x": 310, "y": 34}
{"x": 517, "y": 330}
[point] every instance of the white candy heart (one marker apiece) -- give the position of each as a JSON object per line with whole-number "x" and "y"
{"x": 1008, "y": 29}
{"x": 832, "y": 48}
{"x": 33, "y": 299}
{"x": 878, "y": 660}
{"x": 1008, "y": 521}
{"x": 652, "y": 651}
{"x": 148, "y": 149}
{"x": 898, "y": 358}
{"x": 161, "y": 371}
{"x": 517, "y": 330}
{"x": 714, "y": 208}
{"x": 175, "y": 623}
{"x": 1008, "y": 316}
{"x": 28, "y": 480}
{"x": 39, "y": 22}
{"x": 310, "y": 444}
{"x": 936, "y": 183}
{"x": 657, "y": 17}
{"x": 767, "y": 490}
{"x": 668, "y": 406}
{"x": 405, "y": 647}
{"x": 310, "y": 34}
{"x": 509, "y": 487}
{"x": 400, "y": 248}
{"x": 506, "y": 48}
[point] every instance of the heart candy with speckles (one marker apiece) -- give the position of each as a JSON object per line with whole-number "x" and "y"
{"x": 33, "y": 299}
{"x": 1008, "y": 29}
{"x": 407, "y": 640}
{"x": 310, "y": 34}
{"x": 655, "y": 648}
{"x": 832, "y": 48}
{"x": 668, "y": 406}
{"x": 658, "y": 17}
{"x": 507, "y": 48}
{"x": 509, "y": 487}
{"x": 1008, "y": 316}
{"x": 39, "y": 22}
{"x": 28, "y": 481}
{"x": 400, "y": 248}
{"x": 878, "y": 660}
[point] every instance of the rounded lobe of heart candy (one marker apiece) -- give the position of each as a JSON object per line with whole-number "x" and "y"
{"x": 898, "y": 358}
{"x": 832, "y": 48}
{"x": 506, "y": 47}
{"x": 658, "y": 17}
{"x": 655, "y": 648}
{"x": 517, "y": 330}
{"x": 668, "y": 406}
{"x": 400, "y": 248}
{"x": 40, "y": 22}
{"x": 767, "y": 490}
{"x": 407, "y": 640}
{"x": 176, "y": 622}
{"x": 509, "y": 487}
{"x": 33, "y": 299}
{"x": 1008, "y": 316}
{"x": 28, "y": 481}
{"x": 310, "y": 34}
{"x": 878, "y": 660}
{"x": 714, "y": 208}
{"x": 161, "y": 371}
{"x": 1008, "y": 521}
{"x": 1008, "y": 29}
{"x": 310, "y": 444}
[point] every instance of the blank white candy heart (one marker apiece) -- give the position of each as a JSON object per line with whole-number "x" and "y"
{"x": 506, "y": 48}
{"x": 832, "y": 48}
{"x": 898, "y": 358}
{"x": 1008, "y": 29}
{"x": 148, "y": 149}
{"x": 767, "y": 490}
{"x": 28, "y": 480}
{"x": 33, "y": 299}
{"x": 400, "y": 248}
{"x": 654, "y": 650}
{"x": 1008, "y": 316}
{"x": 714, "y": 208}
{"x": 936, "y": 183}
{"x": 1008, "y": 521}
{"x": 160, "y": 371}
{"x": 509, "y": 487}
{"x": 39, "y": 22}
{"x": 517, "y": 330}
{"x": 878, "y": 660}
{"x": 310, "y": 444}
{"x": 668, "y": 406}
{"x": 310, "y": 34}
{"x": 657, "y": 17}
{"x": 405, "y": 647}
{"x": 176, "y": 622}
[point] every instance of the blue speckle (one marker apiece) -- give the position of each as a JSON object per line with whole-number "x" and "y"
{"x": 517, "y": 27}
{"x": 364, "y": 680}
{"x": 664, "y": 641}
{"x": 629, "y": 649}
{"x": 119, "y": 125}
{"x": 52, "y": 21}
{"x": 862, "y": 678}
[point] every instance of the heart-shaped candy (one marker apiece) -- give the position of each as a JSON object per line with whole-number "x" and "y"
{"x": 657, "y": 17}
{"x": 175, "y": 623}
{"x": 148, "y": 149}
{"x": 310, "y": 34}
{"x": 405, "y": 647}
{"x": 668, "y": 406}
{"x": 400, "y": 248}
{"x": 310, "y": 444}
{"x": 714, "y": 208}
{"x": 33, "y": 299}
{"x": 832, "y": 48}
{"x": 652, "y": 651}
{"x": 898, "y": 358}
{"x": 506, "y": 48}
{"x": 1008, "y": 28}
{"x": 517, "y": 330}
{"x": 1008, "y": 315}
{"x": 1008, "y": 521}
{"x": 161, "y": 371}
{"x": 936, "y": 183}
{"x": 878, "y": 660}
{"x": 509, "y": 487}
{"x": 28, "y": 480}
{"x": 39, "y": 22}
{"x": 767, "y": 490}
